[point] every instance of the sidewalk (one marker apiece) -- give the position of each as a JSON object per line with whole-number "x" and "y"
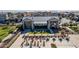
{"x": 17, "y": 43}
{"x": 75, "y": 40}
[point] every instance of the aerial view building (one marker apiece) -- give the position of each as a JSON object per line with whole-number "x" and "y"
{"x": 32, "y": 22}
{"x": 39, "y": 29}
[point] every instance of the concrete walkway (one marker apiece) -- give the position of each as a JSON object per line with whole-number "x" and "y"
{"x": 18, "y": 42}
{"x": 63, "y": 44}
{"x": 73, "y": 43}
{"x": 75, "y": 40}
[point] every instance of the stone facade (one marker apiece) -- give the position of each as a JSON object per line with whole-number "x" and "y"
{"x": 30, "y": 22}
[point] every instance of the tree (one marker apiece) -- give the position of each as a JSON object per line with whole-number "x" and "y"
{"x": 60, "y": 39}
{"x": 47, "y": 39}
{"x": 19, "y": 27}
{"x": 13, "y": 23}
{"x": 67, "y": 39}
{"x": 30, "y": 44}
{"x": 37, "y": 43}
{"x": 54, "y": 39}
{"x": 10, "y": 31}
{"x": 34, "y": 43}
{"x": 43, "y": 43}
{"x": 7, "y": 22}
{"x": 27, "y": 43}
{"x": 53, "y": 45}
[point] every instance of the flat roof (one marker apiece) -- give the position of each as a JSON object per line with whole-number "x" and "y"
{"x": 42, "y": 19}
{"x": 43, "y": 23}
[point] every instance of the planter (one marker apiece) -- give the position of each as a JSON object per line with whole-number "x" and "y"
{"x": 53, "y": 45}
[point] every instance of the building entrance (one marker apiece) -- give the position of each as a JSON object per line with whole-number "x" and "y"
{"x": 40, "y": 27}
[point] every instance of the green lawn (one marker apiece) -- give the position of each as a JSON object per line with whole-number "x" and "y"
{"x": 38, "y": 33}
{"x": 75, "y": 28}
{"x": 5, "y": 30}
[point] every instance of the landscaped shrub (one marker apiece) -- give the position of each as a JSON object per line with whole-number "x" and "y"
{"x": 71, "y": 24}
{"x": 67, "y": 39}
{"x": 47, "y": 39}
{"x": 75, "y": 24}
{"x": 0, "y": 40}
{"x": 5, "y": 27}
{"x": 10, "y": 31}
{"x": 2, "y": 34}
{"x": 7, "y": 22}
{"x": 54, "y": 39}
{"x": 7, "y": 41}
{"x": 73, "y": 28}
{"x": 19, "y": 27}
{"x": 12, "y": 41}
{"x": 65, "y": 24}
{"x": 60, "y": 39}
{"x": 53, "y": 45}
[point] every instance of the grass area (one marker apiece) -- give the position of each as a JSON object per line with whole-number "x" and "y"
{"x": 75, "y": 28}
{"x": 5, "y": 30}
{"x": 38, "y": 32}
{"x": 71, "y": 24}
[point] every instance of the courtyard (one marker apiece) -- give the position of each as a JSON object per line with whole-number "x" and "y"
{"x": 42, "y": 38}
{"x": 46, "y": 42}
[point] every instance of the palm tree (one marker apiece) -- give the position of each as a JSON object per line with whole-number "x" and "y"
{"x": 30, "y": 44}
{"x": 47, "y": 39}
{"x": 37, "y": 43}
{"x": 60, "y": 39}
{"x": 67, "y": 39}
{"x": 34, "y": 43}
{"x": 54, "y": 39}
{"x": 43, "y": 43}
{"x": 27, "y": 43}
